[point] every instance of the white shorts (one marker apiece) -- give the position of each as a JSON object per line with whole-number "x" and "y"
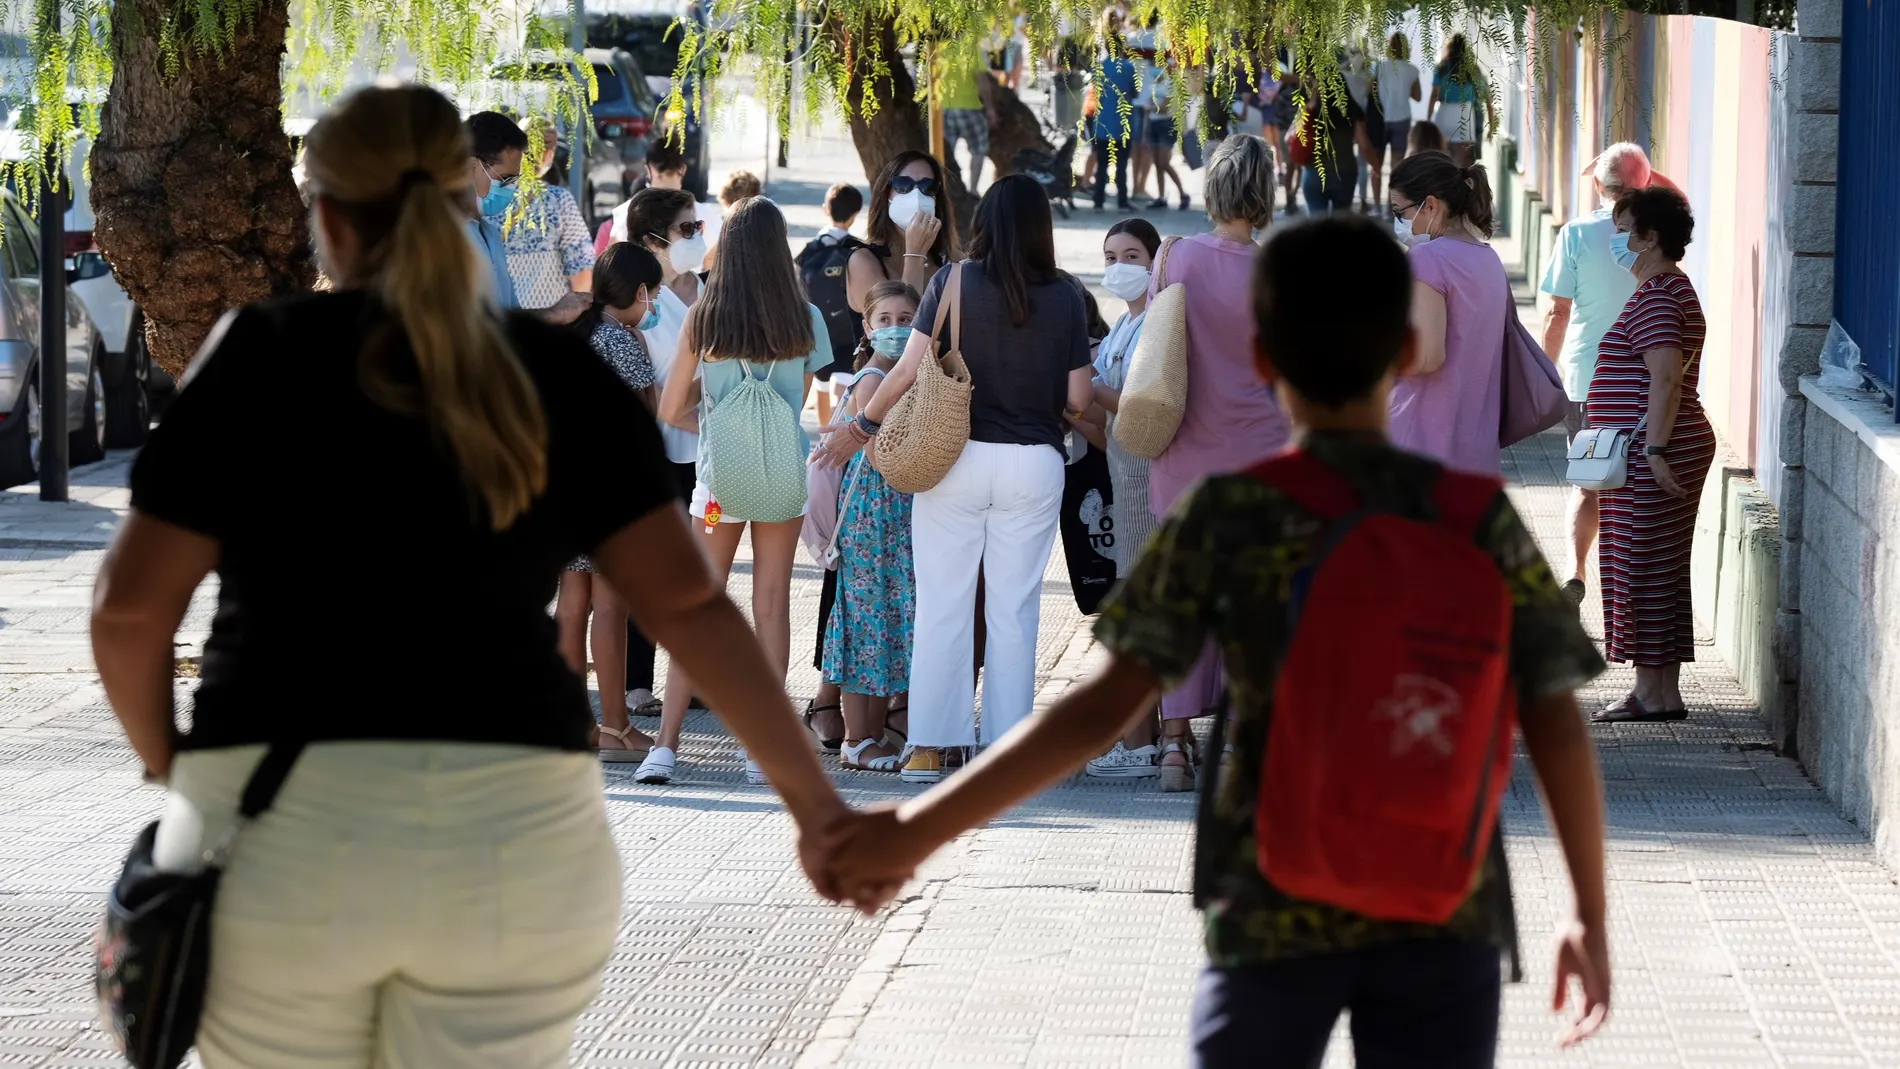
{"x": 701, "y": 495}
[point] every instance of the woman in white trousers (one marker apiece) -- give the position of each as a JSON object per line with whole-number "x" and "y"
{"x": 997, "y": 510}
{"x": 1022, "y": 328}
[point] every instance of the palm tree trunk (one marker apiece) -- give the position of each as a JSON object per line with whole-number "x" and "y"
{"x": 191, "y": 179}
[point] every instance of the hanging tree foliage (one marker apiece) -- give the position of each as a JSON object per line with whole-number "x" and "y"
{"x": 183, "y": 100}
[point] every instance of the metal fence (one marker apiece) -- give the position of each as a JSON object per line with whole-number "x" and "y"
{"x": 1867, "y": 208}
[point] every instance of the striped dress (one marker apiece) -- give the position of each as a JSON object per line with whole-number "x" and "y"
{"x": 1646, "y": 533}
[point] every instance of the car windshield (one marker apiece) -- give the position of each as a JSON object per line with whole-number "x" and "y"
{"x": 652, "y": 40}
{"x": 613, "y": 89}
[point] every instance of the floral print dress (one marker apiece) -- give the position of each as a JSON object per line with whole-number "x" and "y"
{"x": 624, "y": 352}
{"x": 868, "y": 641}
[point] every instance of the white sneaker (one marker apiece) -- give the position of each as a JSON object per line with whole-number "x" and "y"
{"x": 753, "y": 773}
{"x": 657, "y": 768}
{"x": 1124, "y": 763}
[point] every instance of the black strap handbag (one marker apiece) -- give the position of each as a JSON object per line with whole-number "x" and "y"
{"x": 152, "y": 955}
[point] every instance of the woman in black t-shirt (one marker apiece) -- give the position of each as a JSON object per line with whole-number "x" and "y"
{"x": 1024, "y": 334}
{"x": 436, "y": 881}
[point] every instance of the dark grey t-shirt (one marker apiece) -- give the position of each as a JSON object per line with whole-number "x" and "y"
{"x": 1020, "y": 374}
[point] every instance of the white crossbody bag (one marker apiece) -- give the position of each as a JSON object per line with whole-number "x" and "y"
{"x": 1600, "y": 456}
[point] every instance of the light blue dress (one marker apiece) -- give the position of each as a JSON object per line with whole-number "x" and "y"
{"x": 868, "y": 642}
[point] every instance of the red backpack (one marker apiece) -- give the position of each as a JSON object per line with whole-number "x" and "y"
{"x": 1390, "y": 741}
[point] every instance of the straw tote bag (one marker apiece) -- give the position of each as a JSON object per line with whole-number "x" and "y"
{"x": 1154, "y": 396}
{"x": 925, "y": 431}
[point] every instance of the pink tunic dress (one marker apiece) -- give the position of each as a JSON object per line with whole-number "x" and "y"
{"x": 1451, "y": 415}
{"x": 1231, "y": 421}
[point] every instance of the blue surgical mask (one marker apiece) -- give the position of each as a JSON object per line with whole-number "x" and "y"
{"x": 498, "y": 199}
{"x": 1620, "y": 249}
{"x": 890, "y": 341}
{"x": 652, "y": 318}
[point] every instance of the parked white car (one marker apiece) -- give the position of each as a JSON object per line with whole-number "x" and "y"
{"x": 130, "y": 386}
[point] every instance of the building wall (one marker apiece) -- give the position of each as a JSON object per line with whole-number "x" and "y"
{"x": 1848, "y": 731}
{"x": 1742, "y": 119}
{"x": 1700, "y": 95}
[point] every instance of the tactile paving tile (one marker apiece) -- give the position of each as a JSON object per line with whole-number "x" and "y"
{"x": 1751, "y": 924}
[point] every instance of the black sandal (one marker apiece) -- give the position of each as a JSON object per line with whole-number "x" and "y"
{"x": 1631, "y": 711}
{"x": 811, "y": 711}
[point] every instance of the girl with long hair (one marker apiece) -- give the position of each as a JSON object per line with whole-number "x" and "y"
{"x": 435, "y": 882}
{"x": 626, "y": 284}
{"x": 1459, "y": 91}
{"x": 753, "y": 311}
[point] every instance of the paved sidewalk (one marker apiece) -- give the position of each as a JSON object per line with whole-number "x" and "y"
{"x": 1752, "y": 925}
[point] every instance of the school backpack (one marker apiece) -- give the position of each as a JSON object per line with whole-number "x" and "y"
{"x": 754, "y": 464}
{"x": 1390, "y": 741}
{"x": 822, "y": 266}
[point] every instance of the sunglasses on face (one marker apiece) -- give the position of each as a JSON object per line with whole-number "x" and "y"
{"x": 683, "y": 230}
{"x": 904, "y": 183}
{"x": 504, "y": 183}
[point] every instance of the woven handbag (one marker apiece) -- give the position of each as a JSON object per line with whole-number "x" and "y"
{"x": 925, "y": 431}
{"x": 1154, "y": 396}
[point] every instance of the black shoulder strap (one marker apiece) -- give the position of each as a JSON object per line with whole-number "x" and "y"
{"x": 268, "y": 778}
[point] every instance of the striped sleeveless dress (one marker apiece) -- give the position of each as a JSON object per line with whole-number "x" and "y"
{"x": 1645, "y": 536}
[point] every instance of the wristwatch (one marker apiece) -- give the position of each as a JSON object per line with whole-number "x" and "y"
{"x": 1655, "y": 450}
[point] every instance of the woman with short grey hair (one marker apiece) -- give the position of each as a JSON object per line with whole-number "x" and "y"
{"x": 1231, "y": 419}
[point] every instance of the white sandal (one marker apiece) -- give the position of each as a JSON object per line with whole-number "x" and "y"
{"x": 851, "y": 756}
{"x": 624, "y": 754}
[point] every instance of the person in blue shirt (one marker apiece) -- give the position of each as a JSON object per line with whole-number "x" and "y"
{"x": 1114, "y": 129}
{"x": 496, "y": 146}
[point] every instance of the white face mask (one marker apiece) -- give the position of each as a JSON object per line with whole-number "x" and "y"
{"x": 907, "y": 206}
{"x": 1125, "y": 281}
{"x": 687, "y": 254}
{"x": 1403, "y": 228}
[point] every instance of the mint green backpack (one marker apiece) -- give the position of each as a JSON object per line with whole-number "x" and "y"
{"x": 755, "y": 453}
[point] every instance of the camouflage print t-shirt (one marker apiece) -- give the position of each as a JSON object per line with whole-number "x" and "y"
{"x": 1222, "y": 564}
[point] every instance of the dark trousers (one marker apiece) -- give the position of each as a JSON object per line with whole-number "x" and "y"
{"x": 827, "y": 601}
{"x": 1102, "y": 146}
{"x": 1418, "y": 1004}
{"x": 1331, "y": 193}
{"x": 639, "y": 648}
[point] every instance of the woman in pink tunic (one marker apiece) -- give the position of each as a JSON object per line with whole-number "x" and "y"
{"x": 1448, "y": 407}
{"x": 1231, "y": 419}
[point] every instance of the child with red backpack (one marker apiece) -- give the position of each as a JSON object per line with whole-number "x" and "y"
{"x": 1387, "y": 624}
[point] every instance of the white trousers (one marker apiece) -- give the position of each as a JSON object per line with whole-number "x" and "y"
{"x": 998, "y": 509}
{"x": 403, "y": 905}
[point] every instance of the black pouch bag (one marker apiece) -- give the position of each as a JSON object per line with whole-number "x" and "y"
{"x": 152, "y": 955}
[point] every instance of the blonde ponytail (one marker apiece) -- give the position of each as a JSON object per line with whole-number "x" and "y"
{"x": 394, "y": 159}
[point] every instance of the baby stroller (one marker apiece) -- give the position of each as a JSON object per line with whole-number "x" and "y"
{"x": 1055, "y": 174}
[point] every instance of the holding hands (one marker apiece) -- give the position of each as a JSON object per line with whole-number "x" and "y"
{"x": 864, "y": 858}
